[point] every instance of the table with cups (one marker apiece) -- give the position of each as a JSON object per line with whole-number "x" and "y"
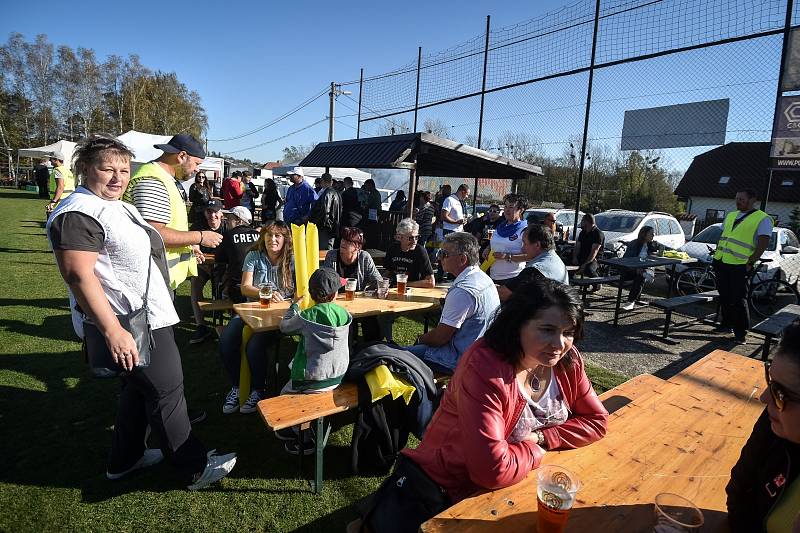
{"x": 268, "y": 318}
{"x": 662, "y": 466}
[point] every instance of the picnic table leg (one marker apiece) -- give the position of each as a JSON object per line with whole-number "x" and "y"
{"x": 765, "y": 348}
{"x": 319, "y": 446}
{"x": 619, "y": 301}
{"x": 672, "y": 281}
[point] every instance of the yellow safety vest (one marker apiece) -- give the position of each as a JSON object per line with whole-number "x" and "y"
{"x": 66, "y": 175}
{"x": 736, "y": 244}
{"x": 180, "y": 260}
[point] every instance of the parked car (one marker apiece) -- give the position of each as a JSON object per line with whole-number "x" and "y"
{"x": 565, "y": 218}
{"x": 782, "y": 252}
{"x": 621, "y": 227}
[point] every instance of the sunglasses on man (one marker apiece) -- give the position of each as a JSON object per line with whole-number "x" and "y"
{"x": 779, "y": 394}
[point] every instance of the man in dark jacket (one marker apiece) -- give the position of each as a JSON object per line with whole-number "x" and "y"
{"x": 351, "y": 206}
{"x": 42, "y": 175}
{"x": 326, "y": 213}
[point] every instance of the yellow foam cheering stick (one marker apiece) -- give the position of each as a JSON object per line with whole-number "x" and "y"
{"x": 301, "y": 273}
{"x": 312, "y": 248}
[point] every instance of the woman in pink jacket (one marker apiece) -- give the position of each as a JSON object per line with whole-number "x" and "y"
{"x": 517, "y": 392}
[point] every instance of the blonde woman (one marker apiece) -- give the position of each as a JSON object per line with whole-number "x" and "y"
{"x": 269, "y": 261}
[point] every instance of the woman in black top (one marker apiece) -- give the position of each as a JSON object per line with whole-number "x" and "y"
{"x": 270, "y": 201}
{"x": 199, "y": 194}
{"x": 424, "y": 217}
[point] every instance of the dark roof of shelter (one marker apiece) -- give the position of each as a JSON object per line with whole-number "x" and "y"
{"x": 434, "y": 156}
{"x": 747, "y": 166}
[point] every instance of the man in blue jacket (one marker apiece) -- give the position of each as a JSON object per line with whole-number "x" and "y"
{"x": 299, "y": 198}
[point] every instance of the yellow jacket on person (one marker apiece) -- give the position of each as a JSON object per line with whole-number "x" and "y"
{"x": 66, "y": 175}
{"x": 736, "y": 244}
{"x": 180, "y": 260}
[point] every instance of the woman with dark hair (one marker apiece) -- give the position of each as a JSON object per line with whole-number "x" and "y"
{"x": 114, "y": 264}
{"x": 200, "y": 194}
{"x": 424, "y": 216}
{"x": 642, "y": 247}
{"x": 271, "y": 201}
{"x": 350, "y": 260}
{"x": 399, "y": 203}
{"x": 506, "y": 243}
{"x": 764, "y": 490}
{"x": 517, "y": 392}
{"x": 269, "y": 261}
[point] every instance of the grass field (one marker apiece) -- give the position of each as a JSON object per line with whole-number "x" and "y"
{"x": 56, "y": 423}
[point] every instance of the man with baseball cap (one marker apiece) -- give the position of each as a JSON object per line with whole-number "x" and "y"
{"x": 156, "y": 192}
{"x": 211, "y": 221}
{"x": 299, "y": 198}
{"x": 236, "y": 242}
{"x": 61, "y": 180}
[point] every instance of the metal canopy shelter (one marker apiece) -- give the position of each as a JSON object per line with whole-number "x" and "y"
{"x": 423, "y": 154}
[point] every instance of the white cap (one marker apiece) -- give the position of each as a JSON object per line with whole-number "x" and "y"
{"x": 296, "y": 171}
{"x": 241, "y": 212}
{"x": 57, "y": 155}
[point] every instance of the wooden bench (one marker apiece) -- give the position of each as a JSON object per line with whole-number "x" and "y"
{"x": 668, "y": 305}
{"x": 774, "y": 325}
{"x": 310, "y": 410}
{"x": 584, "y": 283}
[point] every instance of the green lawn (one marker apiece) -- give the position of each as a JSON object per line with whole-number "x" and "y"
{"x": 56, "y": 423}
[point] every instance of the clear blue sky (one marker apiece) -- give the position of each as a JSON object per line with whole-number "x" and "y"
{"x": 252, "y": 61}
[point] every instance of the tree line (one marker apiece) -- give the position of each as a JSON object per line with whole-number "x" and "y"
{"x": 50, "y": 92}
{"x": 612, "y": 179}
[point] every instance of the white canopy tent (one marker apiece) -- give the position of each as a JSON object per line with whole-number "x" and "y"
{"x": 312, "y": 173}
{"x": 65, "y": 147}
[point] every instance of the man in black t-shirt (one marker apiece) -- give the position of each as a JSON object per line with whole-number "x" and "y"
{"x": 588, "y": 247}
{"x": 236, "y": 243}
{"x": 210, "y": 221}
{"x": 408, "y": 257}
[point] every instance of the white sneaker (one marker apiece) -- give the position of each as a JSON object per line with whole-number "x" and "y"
{"x": 251, "y": 405}
{"x": 628, "y": 306}
{"x": 150, "y": 457}
{"x": 231, "y": 404}
{"x": 218, "y": 467}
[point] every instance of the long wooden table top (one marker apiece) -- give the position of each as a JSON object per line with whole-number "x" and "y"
{"x": 268, "y": 319}
{"x": 682, "y": 435}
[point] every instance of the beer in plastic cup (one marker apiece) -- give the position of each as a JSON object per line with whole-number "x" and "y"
{"x": 676, "y": 514}
{"x": 265, "y": 294}
{"x": 402, "y": 279}
{"x": 350, "y": 289}
{"x": 383, "y": 288}
{"x": 555, "y": 493}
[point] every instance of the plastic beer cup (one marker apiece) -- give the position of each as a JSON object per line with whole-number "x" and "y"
{"x": 555, "y": 494}
{"x": 350, "y": 289}
{"x": 402, "y": 279}
{"x": 676, "y": 514}
{"x": 383, "y": 289}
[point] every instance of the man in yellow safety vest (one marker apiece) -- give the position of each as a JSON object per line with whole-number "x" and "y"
{"x": 62, "y": 182}
{"x": 745, "y": 235}
{"x": 156, "y": 192}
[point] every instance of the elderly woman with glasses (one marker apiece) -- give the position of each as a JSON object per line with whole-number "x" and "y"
{"x": 764, "y": 490}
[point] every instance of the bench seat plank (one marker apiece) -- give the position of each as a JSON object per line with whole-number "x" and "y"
{"x": 289, "y": 410}
{"x": 593, "y": 281}
{"x": 215, "y": 305}
{"x": 680, "y": 301}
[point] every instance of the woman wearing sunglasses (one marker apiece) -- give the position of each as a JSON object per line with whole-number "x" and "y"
{"x": 764, "y": 490}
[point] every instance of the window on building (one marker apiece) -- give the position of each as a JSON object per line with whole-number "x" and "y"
{"x": 787, "y": 182}
{"x": 724, "y": 179}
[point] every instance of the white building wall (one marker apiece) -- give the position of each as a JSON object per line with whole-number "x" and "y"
{"x": 699, "y": 205}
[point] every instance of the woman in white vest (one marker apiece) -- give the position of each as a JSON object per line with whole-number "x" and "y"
{"x": 506, "y": 243}
{"x": 109, "y": 257}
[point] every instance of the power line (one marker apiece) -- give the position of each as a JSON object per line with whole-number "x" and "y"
{"x": 278, "y": 138}
{"x": 276, "y": 120}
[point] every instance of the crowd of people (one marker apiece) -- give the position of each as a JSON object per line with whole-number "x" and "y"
{"x": 509, "y": 322}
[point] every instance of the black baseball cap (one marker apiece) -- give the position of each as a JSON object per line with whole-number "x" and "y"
{"x": 183, "y": 143}
{"x": 325, "y": 280}
{"x": 214, "y": 205}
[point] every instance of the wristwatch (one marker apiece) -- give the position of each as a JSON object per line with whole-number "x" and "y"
{"x": 539, "y": 438}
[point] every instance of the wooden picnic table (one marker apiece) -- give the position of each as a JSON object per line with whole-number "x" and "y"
{"x": 638, "y": 263}
{"x": 682, "y": 435}
{"x": 773, "y": 326}
{"x": 268, "y": 319}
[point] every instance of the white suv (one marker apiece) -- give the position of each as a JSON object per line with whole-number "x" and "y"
{"x": 620, "y": 227}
